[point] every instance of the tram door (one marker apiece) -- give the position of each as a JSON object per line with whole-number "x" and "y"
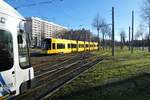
{"x": 23, "y": 51}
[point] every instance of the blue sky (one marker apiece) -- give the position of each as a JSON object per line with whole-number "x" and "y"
{"x": 74, "y": 13}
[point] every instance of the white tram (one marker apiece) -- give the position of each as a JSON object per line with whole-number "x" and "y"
{"x": 15, "y": 70}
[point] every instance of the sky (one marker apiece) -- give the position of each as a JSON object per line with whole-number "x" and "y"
{"x": 79, "y": 14}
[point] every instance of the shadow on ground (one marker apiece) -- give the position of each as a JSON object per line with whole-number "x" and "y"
{"x": 135, "y": 88}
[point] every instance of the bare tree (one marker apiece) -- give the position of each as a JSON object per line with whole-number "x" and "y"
{"x": 146, "y": 16}
{"x": 109, "y": 36}
{"x": 146, "y": 36}
{"x": 122, "y": 38}
{"x": 99, "y": 23}
{"x": 138, "y": 42}
{"x": 137, "y": 35}
{"x": 146, "y": 9}
{"x": 107, "y": 32}
{"x": 140, "y": 35}
{"x": 61, "y": 34}
{"x": 105, "y": 29}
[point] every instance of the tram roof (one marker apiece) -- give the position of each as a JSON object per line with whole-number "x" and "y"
{"x": 7, "y": 9}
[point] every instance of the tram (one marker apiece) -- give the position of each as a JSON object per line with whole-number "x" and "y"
{"x": 56, "y": 46}
{"x": 16, "y": 72}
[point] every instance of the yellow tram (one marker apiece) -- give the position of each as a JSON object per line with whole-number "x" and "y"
{"x": 55, "y": 46}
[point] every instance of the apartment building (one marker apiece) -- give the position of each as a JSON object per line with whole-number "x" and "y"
{"x": 39, "y": 29}
{"x": 34, "y": 29}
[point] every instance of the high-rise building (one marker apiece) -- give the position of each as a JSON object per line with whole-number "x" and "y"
{"x": 34, "y": 29}
{"x": 39, "y": 29}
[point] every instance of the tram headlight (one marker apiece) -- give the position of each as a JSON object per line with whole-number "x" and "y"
{"x": 2, "y": 19}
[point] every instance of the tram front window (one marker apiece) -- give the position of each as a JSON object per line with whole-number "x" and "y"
{"x": 6, "y": 50}
{"x": 46, "y": 44}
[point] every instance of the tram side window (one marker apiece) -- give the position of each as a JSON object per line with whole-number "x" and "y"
{"x": 81, "y": 45}
{"x": 54, "y": 46}
{"x": 6, "y": 50}
{"x": 87, "y": 45}
{"x": 73, "y": 45}
{"x": 69, "y": 45}
{"x": 23, "y": 51}
{"x": 60, "y": 46}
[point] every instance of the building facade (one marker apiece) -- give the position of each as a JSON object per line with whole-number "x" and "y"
{"x": 39, "y": 29}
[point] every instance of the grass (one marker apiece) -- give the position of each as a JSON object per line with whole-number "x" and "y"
{"x": 93, "y": 85}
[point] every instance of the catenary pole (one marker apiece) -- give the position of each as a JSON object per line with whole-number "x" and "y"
{"x": 113, "y": 32}
{"x": 132, "y": 32}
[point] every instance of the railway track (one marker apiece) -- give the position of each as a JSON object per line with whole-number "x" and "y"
{"x": 68, "y": 77}
{"x": 50, "y": 72}
{"x": 54, "y": 77}
{"x": 59, "y": 61}
{"x": 40, "y": 62}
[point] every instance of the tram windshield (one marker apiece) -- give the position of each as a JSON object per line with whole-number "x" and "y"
{"x": 46, "y": 44}
{"x": 6, "y": 50}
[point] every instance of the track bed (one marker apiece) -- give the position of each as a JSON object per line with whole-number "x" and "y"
{"x": 51, "y": 76}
